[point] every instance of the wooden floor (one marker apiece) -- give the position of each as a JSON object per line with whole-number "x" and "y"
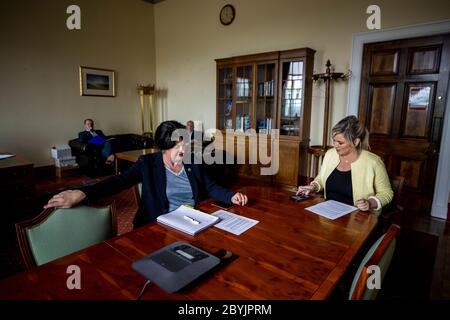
{"x": 420, "y": 270}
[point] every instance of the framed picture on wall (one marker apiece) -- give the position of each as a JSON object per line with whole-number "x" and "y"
{"x": 97, "y": 82}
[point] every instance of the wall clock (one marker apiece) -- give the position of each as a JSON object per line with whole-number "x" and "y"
{"x": 227, "y": 14}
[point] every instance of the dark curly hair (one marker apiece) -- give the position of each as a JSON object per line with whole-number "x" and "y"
{"x": 163, "y": 134}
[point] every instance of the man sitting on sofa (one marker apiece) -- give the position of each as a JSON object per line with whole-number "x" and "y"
{"x": 96, "y": 137}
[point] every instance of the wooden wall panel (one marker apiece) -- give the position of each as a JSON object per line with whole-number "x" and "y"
{"x": 424, "y": 60}
{"x": 382, "y": 99}
{"x": 411, "y": 170}
{"x": 384, "y": 63}
{"x": 289, "y": 162}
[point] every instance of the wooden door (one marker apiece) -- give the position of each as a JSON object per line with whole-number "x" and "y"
{"x": 403, "y": 91}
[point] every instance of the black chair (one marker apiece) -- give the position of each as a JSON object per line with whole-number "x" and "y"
{"x": 89, "y": 157}
{"x": 392, "y": 213}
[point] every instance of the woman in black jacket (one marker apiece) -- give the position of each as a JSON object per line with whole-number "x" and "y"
{"x": 167, "y": 182}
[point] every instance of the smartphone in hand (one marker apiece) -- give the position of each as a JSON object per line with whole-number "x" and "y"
{"x": 222, "y": 205}
{"x": 299, "y": 197}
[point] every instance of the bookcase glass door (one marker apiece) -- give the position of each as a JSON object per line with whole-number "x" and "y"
{"x": 291, "y": 97}
{"x": 225, "y": 99}
{"x": 244, "y": 87}
{"x": 265, "y": 105}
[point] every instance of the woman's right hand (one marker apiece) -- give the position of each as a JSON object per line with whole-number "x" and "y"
{"x": 306, "y": 190}
{"x": 66, "y": 199}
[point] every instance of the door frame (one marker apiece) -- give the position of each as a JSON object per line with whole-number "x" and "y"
{"x": 442, "y": 185}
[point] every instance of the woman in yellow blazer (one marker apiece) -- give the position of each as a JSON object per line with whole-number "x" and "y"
{"x": 350, "y": 173}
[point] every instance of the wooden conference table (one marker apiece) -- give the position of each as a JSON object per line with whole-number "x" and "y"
{"x": 290, "y": 254}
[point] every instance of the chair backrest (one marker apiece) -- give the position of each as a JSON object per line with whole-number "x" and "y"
{"x": 55, "y": 233}
{"x": 380, "y": 254}
{"x": 397, "y": 186}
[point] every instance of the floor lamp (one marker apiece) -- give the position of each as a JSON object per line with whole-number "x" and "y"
{"x": 317, "y": 152}
{"x": 146, "y": 111}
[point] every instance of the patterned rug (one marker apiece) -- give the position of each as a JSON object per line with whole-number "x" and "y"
{"x": 126, "y": 208}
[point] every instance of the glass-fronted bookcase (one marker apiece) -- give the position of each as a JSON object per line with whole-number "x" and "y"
{"x": 251, "y": 84}
{"x": 268, "y": 91}
{"x": 265, "y": 91}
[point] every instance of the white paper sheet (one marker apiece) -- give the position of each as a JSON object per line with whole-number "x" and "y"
{"x": 331, "y": 209}
{"x": 6, "y": 156}
{"x": 233, "y": 223}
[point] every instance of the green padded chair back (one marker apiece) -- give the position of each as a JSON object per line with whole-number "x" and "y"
{"x": 383, "y": 264}
{"x": 139, "y": 188}
{"x": 138, "y": 193}
{"x": 69, "y": 230}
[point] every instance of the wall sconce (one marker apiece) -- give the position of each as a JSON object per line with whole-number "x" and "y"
{"x": 146, "y": 111}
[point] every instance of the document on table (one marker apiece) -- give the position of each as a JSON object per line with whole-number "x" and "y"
{"x": 233, "y": 223}
{"x": 331, "y": 209}
{"x": 6, "y": 155}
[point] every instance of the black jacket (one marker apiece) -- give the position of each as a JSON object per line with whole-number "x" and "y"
{"x": 150, "y": 170}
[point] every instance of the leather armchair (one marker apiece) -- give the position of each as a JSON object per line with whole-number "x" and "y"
{"x": 89, "y": 157}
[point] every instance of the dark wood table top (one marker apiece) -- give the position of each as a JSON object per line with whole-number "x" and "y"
{"x": 290, "y": 254}
{"x": 15, "y": 161}
{"x": 134, "y": 155}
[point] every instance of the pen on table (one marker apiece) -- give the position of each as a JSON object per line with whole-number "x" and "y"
{"x": 191, "y": 220}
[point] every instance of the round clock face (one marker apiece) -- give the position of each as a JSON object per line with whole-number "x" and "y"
{"x": 227, "y": 14}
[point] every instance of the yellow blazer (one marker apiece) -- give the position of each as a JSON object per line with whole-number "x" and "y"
{"x": 369, "y": 177}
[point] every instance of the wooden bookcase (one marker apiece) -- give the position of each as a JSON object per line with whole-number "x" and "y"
{"x": 268, "y": 91}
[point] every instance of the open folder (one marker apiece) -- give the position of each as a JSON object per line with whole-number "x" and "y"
{"x": 188, "y": 220}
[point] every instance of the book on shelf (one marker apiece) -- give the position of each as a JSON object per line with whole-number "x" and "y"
{"x": 243, "y": 123}
{"x": 247, "y": 124}
{"x": 268, "y": 124}
{"x": 188, "y": 220}
{"x": 265, "y": 89}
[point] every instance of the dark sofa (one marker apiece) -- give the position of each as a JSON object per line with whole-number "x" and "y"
{"x": 89, "y": 157}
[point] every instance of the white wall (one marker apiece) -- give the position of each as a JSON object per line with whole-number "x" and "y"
{"x": 189, "y": 37}
{"x": 40, "y": 105}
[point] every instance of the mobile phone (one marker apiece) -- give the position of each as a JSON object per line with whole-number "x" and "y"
{"x": 222, "y": 205}
{"x": 299, "y": 197}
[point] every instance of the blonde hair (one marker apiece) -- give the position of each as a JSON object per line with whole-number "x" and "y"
{"x": 352, "y": 129}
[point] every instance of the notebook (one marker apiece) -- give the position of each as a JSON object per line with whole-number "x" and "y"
{"x": 188, "y": 220}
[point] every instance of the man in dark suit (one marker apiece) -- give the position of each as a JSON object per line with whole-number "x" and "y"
{"x": 190, "y": 130}
{"x": 195, "y": 137}
{"x": 167, "y": 182}
{"x": 96, "y": 137}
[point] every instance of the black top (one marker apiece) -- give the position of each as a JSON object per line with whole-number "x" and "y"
{"x": 150, "y": 170}
{"x": 339, "y": 186}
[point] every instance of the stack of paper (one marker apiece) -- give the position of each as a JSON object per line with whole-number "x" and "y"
{"x": 233, "y": 223}
{"x": 188, "y": 220}
{"x": 331, "y": 209}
